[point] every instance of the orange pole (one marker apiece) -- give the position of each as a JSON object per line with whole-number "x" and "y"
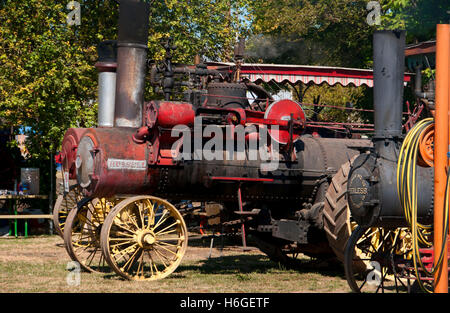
{"x": 441, "y": 142}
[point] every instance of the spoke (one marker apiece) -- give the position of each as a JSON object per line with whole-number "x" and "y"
{"x": 396, "y": 285}
{"x": 171, "y": 239}
{"x": 141, "y": 266}
{"x": 85, "y": 220}
{"x": 154, "y": 264}
{"x": 161, "y": 219}
{"x": 382, "y": 280}
{"x": 159, "y": 256}
{"x": 81, "y": 237}
{"x": 78, "y": 247}
{"x": 168, "y": 244}
{"x": 124, "y": 234}
{"x": 162, "y": 247}
{"x": 128, "y": 263}
{"x": 119, "y": 239}
{"x": 134, "y": 221}
{"x": 141, "y": 216}
{"x": 92, "y": 210}
{"x": 124, "y": 228}
{"x": 167, "y": 232}
{"x": 375, "y": 249}
{"x": 93, "y": 256}
{"x": 101, "y": 261}
{"x": 365, "y": 237}
{"x": 151, "y": 215}
{"x": 364, "y": 282}
{"x": 121, "y": 243}
{"x": 398, "y": 278}
{"x": 151, "y": 263}
{"x": 366, "y": 250}
{"x": 162, "y": 230}
{"x": 123, "y": 252}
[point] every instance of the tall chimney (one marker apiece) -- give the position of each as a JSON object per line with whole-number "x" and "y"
{"x": 106, "y": 66}
{"x": 131, "y": 62}
{"x": 388, "y": 74}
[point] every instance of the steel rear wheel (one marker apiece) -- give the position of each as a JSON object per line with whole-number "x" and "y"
{"x": 371, "y": 259}
{"x": 144, "y": 238}
{"x": 82, "y": 233}
{"x": 63, "y": 205}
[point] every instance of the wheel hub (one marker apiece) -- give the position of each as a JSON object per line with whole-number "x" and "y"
{"x": 145, "y": 238}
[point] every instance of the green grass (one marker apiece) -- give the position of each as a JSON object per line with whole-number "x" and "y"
{"x": 39, "y": 265}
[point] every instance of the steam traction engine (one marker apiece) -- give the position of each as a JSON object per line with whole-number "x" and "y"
{"x": 214, "y": 146}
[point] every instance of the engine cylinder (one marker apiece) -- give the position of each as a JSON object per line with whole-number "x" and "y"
{"x": 227, "y": 95}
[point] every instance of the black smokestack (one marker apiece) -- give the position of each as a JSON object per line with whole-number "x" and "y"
{"x": 131, "y": 62}
{"x": 388, "y": 71}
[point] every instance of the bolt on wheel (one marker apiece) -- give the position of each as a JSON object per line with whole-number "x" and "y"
{"x": 82, "y": 233}
{"x": 144, "y": 238}
{"x": 371, "y": 259}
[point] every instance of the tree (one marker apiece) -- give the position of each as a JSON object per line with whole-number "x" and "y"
{"x": 417, "y": 17}
{"x": 48, "y": 80}
{"x": 328, "y": 32}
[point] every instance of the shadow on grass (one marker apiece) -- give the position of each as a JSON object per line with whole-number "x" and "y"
{"x": 246, "y": 264}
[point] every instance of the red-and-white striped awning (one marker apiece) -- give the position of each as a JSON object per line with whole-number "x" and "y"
{"x": 295, "y": 74}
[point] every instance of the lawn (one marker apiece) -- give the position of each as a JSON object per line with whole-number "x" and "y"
{"x": 38, "y": 264}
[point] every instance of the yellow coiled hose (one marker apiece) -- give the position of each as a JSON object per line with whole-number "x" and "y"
{"x": 407, "y": 191}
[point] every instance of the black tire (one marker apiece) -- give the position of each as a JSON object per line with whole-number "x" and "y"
{"x": 336, "y": 214}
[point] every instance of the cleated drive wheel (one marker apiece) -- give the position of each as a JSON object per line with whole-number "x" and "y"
{"x": 336, "y": 213}
{"x": 373, "y": 257}
{"x": 82, "y": 233}
{"x": 144, "y": 238}
{"x": 65, "y": 202}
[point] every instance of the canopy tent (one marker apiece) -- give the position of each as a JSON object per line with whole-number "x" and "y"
{"x": 421, "y": 53}
{"x": 294, "y": 74}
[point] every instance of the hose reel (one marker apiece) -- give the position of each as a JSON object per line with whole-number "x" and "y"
{"x": 416, "y": 151}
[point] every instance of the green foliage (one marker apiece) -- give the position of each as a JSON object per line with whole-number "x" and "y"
{"x": 48, "y": 80}
{"x": 329, "y": 32}
{"x": 339, "y": 96}
{"x": 208, "y": 28}
{"x": 418, "y": 17}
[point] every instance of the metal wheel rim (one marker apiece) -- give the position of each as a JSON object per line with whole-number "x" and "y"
{"x": 82, "y": 234}
{"x": 136, "y": 247}
{"x": 64, "y": 204}
{"x": 360, "y": 264}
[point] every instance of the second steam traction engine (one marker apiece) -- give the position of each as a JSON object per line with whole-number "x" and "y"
{"x": 215, "y": 145}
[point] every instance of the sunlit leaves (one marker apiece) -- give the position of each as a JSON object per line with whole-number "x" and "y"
{"x": 47, "y": 76}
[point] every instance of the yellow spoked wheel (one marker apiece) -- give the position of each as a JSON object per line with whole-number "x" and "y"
{"x": 372, "y": 256}
{"x": 82, "y": 233}
{"x": 144, "y": 238}
{"x": 63, "y": 205}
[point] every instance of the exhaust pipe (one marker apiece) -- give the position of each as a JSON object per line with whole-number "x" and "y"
{"x": 388, "y": 76}
{"x": 131, "y": 62}
{"x": 372, "y": 181}
{"x": 106, "y": 66}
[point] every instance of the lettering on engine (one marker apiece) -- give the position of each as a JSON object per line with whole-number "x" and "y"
{"x": 133, "y": 165}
